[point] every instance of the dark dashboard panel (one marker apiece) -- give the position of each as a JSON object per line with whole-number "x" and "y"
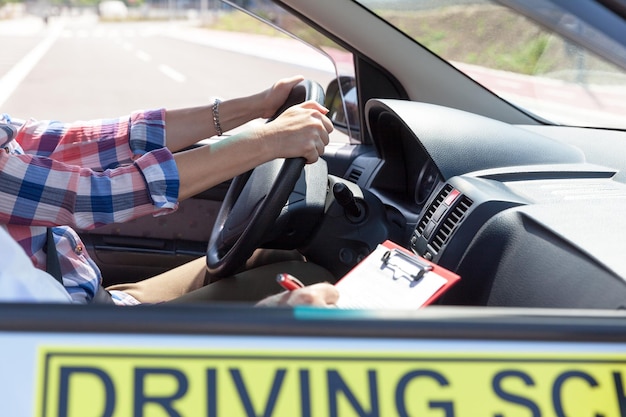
{"x": 538, "y": 250}
{"x": 406, "y": 169}
{"x": 515, "y": 213}
{"x": 514, "y": 261}
{"x": 459, "y": 142}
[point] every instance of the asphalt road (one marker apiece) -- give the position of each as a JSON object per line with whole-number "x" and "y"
{"x": 79, "y": 68}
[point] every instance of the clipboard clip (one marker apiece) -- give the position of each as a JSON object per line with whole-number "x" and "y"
{"x": 417, "y": 267}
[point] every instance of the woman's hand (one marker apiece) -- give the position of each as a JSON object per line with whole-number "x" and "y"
{"x": 321, "y": 295}
{"x": 276, "y": 95}
{"x": 300, "y": 131}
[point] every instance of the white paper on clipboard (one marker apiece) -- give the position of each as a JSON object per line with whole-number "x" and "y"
{"x": 388, "y": 279}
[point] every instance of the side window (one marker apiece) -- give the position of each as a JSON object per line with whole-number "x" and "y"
{"x": 285, "y": 46}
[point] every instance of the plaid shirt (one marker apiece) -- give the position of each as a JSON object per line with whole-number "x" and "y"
{"x": 85, "y": 175}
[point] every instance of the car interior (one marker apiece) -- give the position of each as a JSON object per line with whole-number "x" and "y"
{"x": 529, "y": 212}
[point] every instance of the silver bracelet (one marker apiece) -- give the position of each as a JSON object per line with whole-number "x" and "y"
{"x": 216, "y": 116}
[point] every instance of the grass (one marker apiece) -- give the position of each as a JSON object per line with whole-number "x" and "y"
{"x": 482, "y": 35}
{"x": 240, "y": 22}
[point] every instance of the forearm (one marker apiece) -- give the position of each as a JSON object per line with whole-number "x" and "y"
{"x": 301, "y": 131}
{"x": 202, "y": 168}
{"x": 185, "y": 127}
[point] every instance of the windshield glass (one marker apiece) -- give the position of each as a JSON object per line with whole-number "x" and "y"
{"x": 534, "y": 68}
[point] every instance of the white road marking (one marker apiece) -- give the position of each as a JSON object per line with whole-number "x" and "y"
{"x": 144, "y": 56}
{"x": 13, "y": 78}
{"x": 172, "y": 73}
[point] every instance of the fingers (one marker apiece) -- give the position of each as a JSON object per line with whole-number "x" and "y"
{"x": 315, "y": 146}
{"x": 324, "y": 128}
{"x": 283, "y": 87}
{"x": 320, "y": 113}
{"x": 291, "y": 81}
{"x": 322, "y": 295}
{"x": 275, "y": 96}
{"x": 328, "y": 124}
{"x": 301, "y": 131}
{"x": 312, "y": 104}
{"x": 328, "y": 293}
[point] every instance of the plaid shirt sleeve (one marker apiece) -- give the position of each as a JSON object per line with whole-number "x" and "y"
{"x": 88, "y": 174}
{"x": 98, "y": 144}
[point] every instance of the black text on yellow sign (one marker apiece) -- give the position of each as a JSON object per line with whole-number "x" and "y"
{"x": 99, "y": 383}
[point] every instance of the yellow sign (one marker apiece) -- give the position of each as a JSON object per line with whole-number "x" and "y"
{"x": 206, "y": 383}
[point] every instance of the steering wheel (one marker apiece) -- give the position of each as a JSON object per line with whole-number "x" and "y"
{"x": 255, "y": 199}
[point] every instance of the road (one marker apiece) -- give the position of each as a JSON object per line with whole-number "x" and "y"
{"x": 79, "y": 68}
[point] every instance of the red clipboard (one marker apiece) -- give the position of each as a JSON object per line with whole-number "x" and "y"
{"x": 395, "y": 278}
{"x": 448, "y": 275}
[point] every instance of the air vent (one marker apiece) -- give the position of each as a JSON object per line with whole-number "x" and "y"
{"x": 449, "y": 223}
{"x": 354, "y": 175}
{"x": 433, "y": 208}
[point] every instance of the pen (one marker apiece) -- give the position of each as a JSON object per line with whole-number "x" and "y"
{"x": 288, "y": 282}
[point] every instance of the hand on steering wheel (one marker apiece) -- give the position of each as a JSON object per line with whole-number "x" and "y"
{"x": 255, "y": 199}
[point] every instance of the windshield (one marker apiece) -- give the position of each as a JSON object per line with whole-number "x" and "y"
{"x": 530, "y": 66}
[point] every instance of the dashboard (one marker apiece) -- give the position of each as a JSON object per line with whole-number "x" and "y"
{"x": 524, "y": 218}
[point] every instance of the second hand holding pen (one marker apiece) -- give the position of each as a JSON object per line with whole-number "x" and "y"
{"x": 289, "y": 282}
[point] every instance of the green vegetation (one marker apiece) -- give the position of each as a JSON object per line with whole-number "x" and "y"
{"x": 486, "y": 36}
{"x": 525, "y": 59}
{"x": 494, "y": 37}
{"x": 240, "y": 22}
